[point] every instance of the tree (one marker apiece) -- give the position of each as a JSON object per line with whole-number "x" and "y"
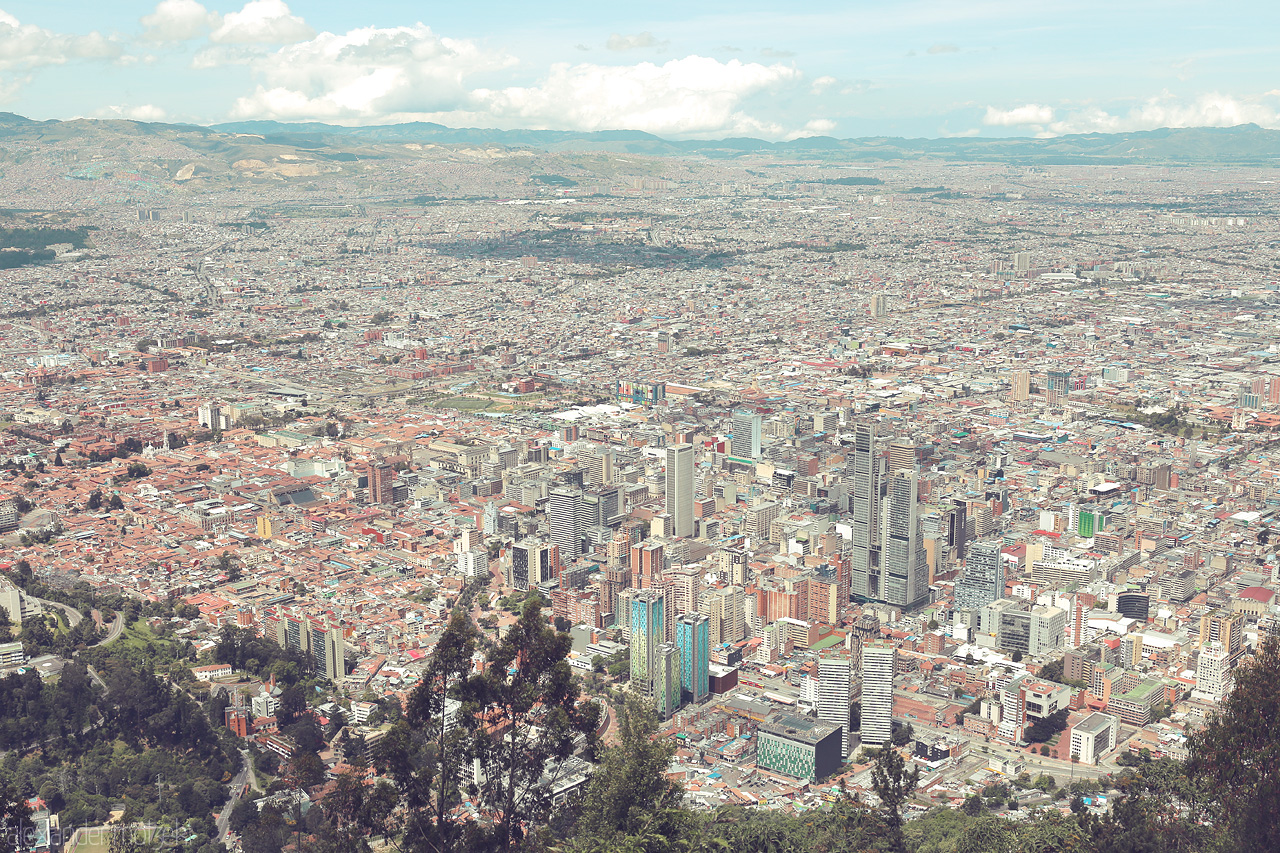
{"x": 292, "y": 704}
{"x": 522, "y": 714}
{"x": 15, "y": 819}
{"x": 1017, "y": 656}
{"x": 894, "y": 785}
{"x": 629, "y": 793}
{"x": 1237, "y": 756}
{"x": 94, "y": 503}
{"x": 973, "y": 805}
{"x": 115, "y": 502}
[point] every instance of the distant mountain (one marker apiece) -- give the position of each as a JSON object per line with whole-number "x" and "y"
{"x": 1245, "y": 144}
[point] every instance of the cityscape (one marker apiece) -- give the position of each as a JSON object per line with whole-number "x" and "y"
{"x": 440, "y": 490}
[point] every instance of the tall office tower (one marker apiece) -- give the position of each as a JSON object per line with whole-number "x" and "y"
{"x": 679, "y": 489}
{"x": 902, "y": 455}
{"x": 880, "y": 305}
{"x": 648, "y": 631}
{"x": 648, "y": 561}
{"x": 1021, "y": 381}
{"x": 1021, "y": 261}
{"x": 726, "y": 615}
{"x": 835, "y": 693}
{"x": 612, "y": 510}
{"x": 564, "y": 518}
{"x": 1224, "y": 628}
{"x": 958, "y": 529}
{"x": 599, "y": 467}
{"x": 863, "y": 472}
{"x": 983, "y": 580}
{"x": 905, "y": 572}
{"x": 746, "y": 435}
{"x": 686, "y": 588}
{"x": 694, "y": 642}
{"x": 666, "y": 680}
{"x": 489, "y": 518}
{"x": 615, "y": 581}
{"x": 878, "y": 662}
{"x": 1213, "y": 672}
{"x": 380, "y": 476}
{"x": 532, "y": 563}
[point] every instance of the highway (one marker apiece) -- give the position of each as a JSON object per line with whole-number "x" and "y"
{"x": 242, "y": 778}
{"x": 74, "y": 617}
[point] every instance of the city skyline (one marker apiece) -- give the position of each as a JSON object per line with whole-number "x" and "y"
{"x": 923, "y": 69}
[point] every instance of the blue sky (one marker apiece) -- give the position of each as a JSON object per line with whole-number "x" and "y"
{"x": 693, "y": 70}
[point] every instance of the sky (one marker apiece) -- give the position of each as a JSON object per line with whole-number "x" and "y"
{"x": 681, "y": 70}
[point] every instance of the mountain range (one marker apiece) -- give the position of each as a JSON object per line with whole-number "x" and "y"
{"x": 1246, "y": 144}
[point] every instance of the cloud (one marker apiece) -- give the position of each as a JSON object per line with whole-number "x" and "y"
{"x": 683, "y": 97}
{"x": 262, "y": 22}
{"x": 142, "y": 112}
{"x": 28, "y": 46}
{"x": 1028, "y": 114}
{"x": 771, "y": 53}
{"x": 638, "y": 41}
{"x": 178, "y": 20}
{"x": 1164, "y": 110}
{"x": 821, "y": 84}
{"x": 369, "y": 73}
{"x": 412, "y": 74}
{"x": 936, "y": 49}
{"x": 815, "y": 127}
{"x": 1210, "y": 110}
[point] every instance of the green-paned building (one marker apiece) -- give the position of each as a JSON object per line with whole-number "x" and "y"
{"x": 800, "y": 747}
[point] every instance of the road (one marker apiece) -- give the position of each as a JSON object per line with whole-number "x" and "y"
{"x": 74, "y": 617}
{"x": 1052, "y": 766}
{"x": 237, "y": 785}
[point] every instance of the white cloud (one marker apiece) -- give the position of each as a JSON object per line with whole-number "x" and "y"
{"x": 1029, "y": 114}
{"x": 1211, "y": 110}
{"x": 178, "y": 20}
{"x": 683, "y": 97}
{"x": 262, "y": 22}
{"x": 29, "y": 46}
{"x": 823, "y": 83}
{"x": 816, "y": 127}
{"x": 142, "y": 112}
{"x": 366, "y": 74}
{"x": 935, "y": 49}
{"x": 412, "y": 74}
{"x": 638, "y": 41}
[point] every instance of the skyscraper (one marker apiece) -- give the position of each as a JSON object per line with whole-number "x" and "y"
{"x": 564, "y": 514}
{"x": 863, "y": 472}
{"x": 679, "y": 489}
{"x": 380, "y": 476}
{"x": 746, "y": 435}
{"x": 724, "y": 609}
{"x": 693, "y": 641}
{"x": 599, "y": 467}
{"x": 835, "y": 693}
{"x": 666, "y": 680}
{"x": 1021, "y": 381}
{"x": 906, "y": 572}
{"x": 983, "y": 580}
{"x": 648, "y": 631}
{"x": 878, "y": 662}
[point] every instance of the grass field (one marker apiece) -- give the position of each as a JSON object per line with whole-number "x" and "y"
{"x": 472, "y": 404}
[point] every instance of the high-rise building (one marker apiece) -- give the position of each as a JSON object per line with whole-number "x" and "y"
{"x": 880, "y": 305}
{"x": 835, "y": 693}
{"x": 564, "y": 517}
{"x": 648, "y": 631}
{"x": 380, "y": 476}
{"x": 725, "y": 613}
{"x": 599, "y": 467}
{"x": 879, "y": 660}
{"x": 532, "y": 563}
{"x": 902, "y": 455}
{"x": 1213, "y": 672}
{"x": 1021, "y": 261}
{"x": 666, "y": 680}
{"x": 983, "y": 580}
{"x": 863, "y": 472}
{"x": 679, "y": 489}
{"x": 905, "y": 575}
{"x": 746, "y": 428}
{"x": 693, "y": 641}
{"x": 1021, "y": 381}
{"x": 648, "y": 561}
